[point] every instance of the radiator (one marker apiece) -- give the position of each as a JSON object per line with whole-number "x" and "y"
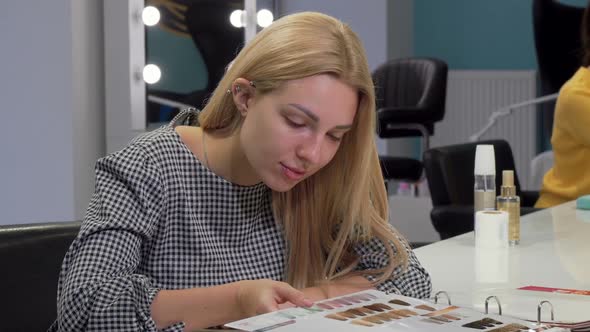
{"x": 473, "y": 95}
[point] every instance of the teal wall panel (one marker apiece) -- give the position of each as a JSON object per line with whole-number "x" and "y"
{"x": 477, "y": 34}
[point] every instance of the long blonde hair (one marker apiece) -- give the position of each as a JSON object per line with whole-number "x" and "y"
{"x": 345, "y": 203}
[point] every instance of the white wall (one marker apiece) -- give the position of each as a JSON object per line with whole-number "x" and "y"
{"x": 88, "y": 97}
{"x": 400, "y": 28}
{"x": 367, "y": 18}
{"x": 400, "y": 44}
{"x": 124, "y": 57}
{"x": 46, "y": 142}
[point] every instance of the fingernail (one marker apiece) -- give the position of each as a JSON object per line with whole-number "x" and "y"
{"x": 307, "y": 302}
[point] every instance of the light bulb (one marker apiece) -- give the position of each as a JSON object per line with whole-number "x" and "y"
{"x": 150, "y": 16}
{"x": 264, "y": 18}
{"x": 236, "y": 18}
{"x": 151, "y": 74}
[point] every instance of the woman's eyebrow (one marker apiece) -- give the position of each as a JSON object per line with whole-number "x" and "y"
{"x": 307, "y": 112}
{"x": 313, "y": 116}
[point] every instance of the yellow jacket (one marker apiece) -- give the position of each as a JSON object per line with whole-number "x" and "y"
{"x": 570, "y": 176}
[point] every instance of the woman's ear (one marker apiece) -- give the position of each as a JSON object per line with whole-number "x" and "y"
{"x": 242, "y": 92}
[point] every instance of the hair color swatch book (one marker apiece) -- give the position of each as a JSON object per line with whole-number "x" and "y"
{"x": 571, "y": 306}
{"x": 373, "y": 310}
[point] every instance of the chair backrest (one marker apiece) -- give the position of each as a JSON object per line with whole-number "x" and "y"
{"x": 449, "y": 170}
{"x": 558, "y": 46}
{"x": 415, "y": 89}
{"x": 31, "y": 256}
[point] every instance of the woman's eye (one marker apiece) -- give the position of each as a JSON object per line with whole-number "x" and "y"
{"x": 335, "y": 138}
{"x": 294, "y": 124}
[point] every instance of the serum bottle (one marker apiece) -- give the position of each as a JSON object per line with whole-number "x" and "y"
{"x": 509, "y": 202}
{"x": 484, "y": 189}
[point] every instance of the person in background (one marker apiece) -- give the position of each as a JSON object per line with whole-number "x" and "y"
{"x": 271, "y": 196}
{"x": 569, "y": 178}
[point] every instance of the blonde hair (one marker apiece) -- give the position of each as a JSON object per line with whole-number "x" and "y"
{"x": 345, "y": 203}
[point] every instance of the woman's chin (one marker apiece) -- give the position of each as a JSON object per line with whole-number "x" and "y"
{"x": 279, "y": 186}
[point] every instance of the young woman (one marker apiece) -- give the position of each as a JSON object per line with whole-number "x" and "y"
{"x": 569, "y": 177}
{"x": 271, "y": 195}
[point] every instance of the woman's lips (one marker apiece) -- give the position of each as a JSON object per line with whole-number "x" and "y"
{"x": 292, "y": 173}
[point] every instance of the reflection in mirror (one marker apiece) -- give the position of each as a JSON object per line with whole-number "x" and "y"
{"x": 192, "y": 44}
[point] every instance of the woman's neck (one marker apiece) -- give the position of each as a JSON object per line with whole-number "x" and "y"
{"x": 225, "y": 157}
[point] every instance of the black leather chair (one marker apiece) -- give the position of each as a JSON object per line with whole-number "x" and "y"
{"x": 411, "y": 95}
{"x": 449, "y": 170}
{"x": 557, "y": 29}
{"x": 31, "y": 257}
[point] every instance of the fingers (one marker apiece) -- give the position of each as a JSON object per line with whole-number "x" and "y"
{"x": 267, "y": 306}
{"x": 286, "y": 305}
{"x": 257, "y": 297}
{"x": 288, "y": 293}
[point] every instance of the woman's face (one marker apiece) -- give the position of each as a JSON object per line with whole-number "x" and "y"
{"x": 293, "y": 132}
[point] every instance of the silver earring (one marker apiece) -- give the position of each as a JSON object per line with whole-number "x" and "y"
{"x": 237, "y": 90}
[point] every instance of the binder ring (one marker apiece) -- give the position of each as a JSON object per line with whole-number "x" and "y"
{"x": 497, "y": 301}
{"x": 539, "y": 311}
{"x": 441, "y": 293}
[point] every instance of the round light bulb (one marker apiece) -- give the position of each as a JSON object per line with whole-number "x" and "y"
{"x": 236, "y": 18}
{"x": 150, "y": 16}
{"x": 264, "y": 18}
{"x": 151, "y": 74}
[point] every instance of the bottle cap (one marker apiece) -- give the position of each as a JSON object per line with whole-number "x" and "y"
{"x": 508, "y": 178}
{"x": 485, "y": 162}
{"x": 508, "y": 188}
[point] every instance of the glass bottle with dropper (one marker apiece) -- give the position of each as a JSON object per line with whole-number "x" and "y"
{"x": 509, "y": 202}
{"x": 484, "y": 188}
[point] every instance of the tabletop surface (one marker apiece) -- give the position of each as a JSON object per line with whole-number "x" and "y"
{"x": 554, "y": 252}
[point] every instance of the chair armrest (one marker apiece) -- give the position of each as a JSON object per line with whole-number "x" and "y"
{"x": 452, "y": 220}
{"x": 524, "y": 210}
{"x": 32, "y": 257}
{"x": 403, "y": 115}
{"x": 528, "y": 198}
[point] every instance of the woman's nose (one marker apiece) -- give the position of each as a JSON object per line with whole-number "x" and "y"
{"x": 310, "y": 150}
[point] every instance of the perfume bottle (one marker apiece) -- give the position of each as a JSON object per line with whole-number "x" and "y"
{"x": 484, "y": 188}
{"x": 509, "y": 202}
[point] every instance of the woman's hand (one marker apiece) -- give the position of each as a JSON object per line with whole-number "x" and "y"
{"x": 328, "y": 289}
{"x": 212, "y": 306}
{"x": 255, "y": 297}
{"x": 338, "y": 287}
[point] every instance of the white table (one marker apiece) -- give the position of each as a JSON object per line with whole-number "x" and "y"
{"x": 554, "y": 252}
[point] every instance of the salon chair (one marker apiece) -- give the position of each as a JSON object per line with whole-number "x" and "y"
{"x": 31, "y": 256}
{"x": 449, "y": 170}
{"x": 410, "y": 96}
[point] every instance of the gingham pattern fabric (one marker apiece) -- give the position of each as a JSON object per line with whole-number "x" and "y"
{"x": 158, "y": 220}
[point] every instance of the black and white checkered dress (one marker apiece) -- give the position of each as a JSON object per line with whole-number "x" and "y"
{"x": 158, "y": 220}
